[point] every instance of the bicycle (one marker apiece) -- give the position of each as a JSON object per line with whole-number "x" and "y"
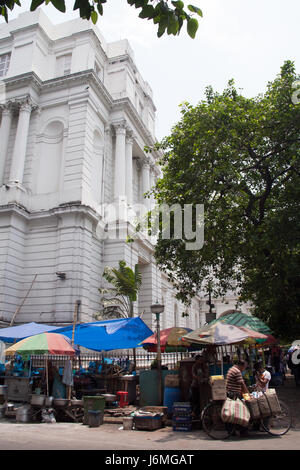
{"x": 276, "y": 425}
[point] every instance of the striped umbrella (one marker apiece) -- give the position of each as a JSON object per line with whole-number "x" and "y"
{"x": 170, "y": 340}
{"x": 44, "y": 343}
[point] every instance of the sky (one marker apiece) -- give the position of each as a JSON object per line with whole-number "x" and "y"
{"x": 247, "y": 40}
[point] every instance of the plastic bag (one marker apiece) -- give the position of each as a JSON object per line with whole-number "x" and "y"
{"x": 235, "y": 412}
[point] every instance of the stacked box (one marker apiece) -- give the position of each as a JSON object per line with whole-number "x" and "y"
{"x": 182, "y": 416}
{"x": 218, "y": 388}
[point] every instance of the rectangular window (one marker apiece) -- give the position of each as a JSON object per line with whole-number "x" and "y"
{"x": 97, "y": 70}
{"x": 4, "y": 64}
{"x": 63, "y": 65}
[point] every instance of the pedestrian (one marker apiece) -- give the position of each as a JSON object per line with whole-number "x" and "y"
{"x": 197, "y": 373}
{"x": 262, "y": 378}
{"x": 236, "y": 387}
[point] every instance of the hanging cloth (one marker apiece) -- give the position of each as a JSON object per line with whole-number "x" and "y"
{"x": 68, "y": 374}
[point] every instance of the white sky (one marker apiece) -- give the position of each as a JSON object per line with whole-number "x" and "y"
{"x": 247, "y": 40}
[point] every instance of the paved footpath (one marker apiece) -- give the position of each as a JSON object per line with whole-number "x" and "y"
{"x": 111, "y": 437}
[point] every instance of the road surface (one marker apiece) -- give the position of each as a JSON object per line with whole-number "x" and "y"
{"x": 111, "y": 437}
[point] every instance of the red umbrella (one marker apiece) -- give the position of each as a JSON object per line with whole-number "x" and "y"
{"x": 170, "y": 340}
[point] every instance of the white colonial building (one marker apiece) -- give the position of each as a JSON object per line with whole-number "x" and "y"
{"x": 76, "y": 116}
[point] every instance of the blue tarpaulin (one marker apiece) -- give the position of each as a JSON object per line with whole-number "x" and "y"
{"x": 107, "y": 335}
{"x": 16, "y": 333}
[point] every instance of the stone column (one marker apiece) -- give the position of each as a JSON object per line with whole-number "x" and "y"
{"x": 128, "y": 182}
{"x": 145, "y": 183}
{"x": 7, "y": 114}
{"x": 19, "y": 152}
{"x": 152, "y": 183}
{"x": 120, "y": 162}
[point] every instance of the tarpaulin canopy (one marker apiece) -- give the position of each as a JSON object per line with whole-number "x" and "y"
{"x": 237, "y": 318}
{"x": 16, "y": 333}
{"x": 218, "y": 334}
{"x": 125, "y": 333}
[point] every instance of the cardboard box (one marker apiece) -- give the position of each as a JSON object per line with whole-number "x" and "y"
{"x": 218, "y": 389}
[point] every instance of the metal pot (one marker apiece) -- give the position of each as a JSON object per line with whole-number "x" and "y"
{"x": 48, "y": 401}
{"x": 109, "y": 397}
{"x": 38, "y": 400}
{"x": 60, "y": 401}
{"x": 77, "y": 402}
{"x": 23, "y": 414}
{"x": 2, "y": 411}
{"x": 3, "y": 391}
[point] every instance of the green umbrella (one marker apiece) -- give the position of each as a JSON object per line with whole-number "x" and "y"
{"x": 242, "y": 319}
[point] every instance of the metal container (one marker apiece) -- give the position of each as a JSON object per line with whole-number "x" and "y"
{"x": 38, "y": 400}
{"x": 109, "y": 397}
{"x": 3, "y": 391}
{"x": 48, "y": 401}
{"x": 23, "y": 414}
{"x": 2, "y": 411}
{"x": 76, "y": 402}
{"x": 60, "y": 402}
{"x": 127, "y": 423}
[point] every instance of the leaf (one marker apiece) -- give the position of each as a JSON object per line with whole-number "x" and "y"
{"x": 147, "y": 12}
{"x": 195, "y": 10}
{"x": 94, "y": 16}
{"x": 59, "y": 5}
{"x": 178, "y": 4}
{"x": 192, "y": 26}
{"x": 35, "y": 4}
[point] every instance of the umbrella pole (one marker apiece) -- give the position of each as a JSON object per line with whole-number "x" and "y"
{"x": 47, "y": 377}
{"x": 222, "y": 372}
{"x": 77, "y": 303}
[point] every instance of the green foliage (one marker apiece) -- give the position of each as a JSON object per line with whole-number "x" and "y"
{"x": 239, "y": 157}
{"x": 118, "y": 300}
{"x": 169, "y": 16}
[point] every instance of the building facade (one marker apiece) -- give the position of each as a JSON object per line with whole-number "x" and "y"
{"x": 76, "y": 116}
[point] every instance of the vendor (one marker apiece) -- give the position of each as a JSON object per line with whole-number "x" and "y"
{"x": 262, "y": 377}
{"x": 197, "y": 377}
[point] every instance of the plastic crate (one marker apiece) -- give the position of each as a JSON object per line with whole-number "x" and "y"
{"x": 182, "y": 419}
{"x": 184, "y": 428}
{"x": 148, "y": 423}
{"x": 184, "y": 407}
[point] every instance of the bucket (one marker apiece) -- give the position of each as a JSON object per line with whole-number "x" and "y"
{"x": 38, "y": 399}
{"x": 2, "y": 411}
{"x": 3, "y": 391}
{"x": 23, "y": 414}
{"x": 127, "y": 423}
{"x": 95, "y": 418}
{"x": 94, "y": 403}
{"x": 171, "y": 395}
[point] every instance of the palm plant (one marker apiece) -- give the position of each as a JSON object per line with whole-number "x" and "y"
{"x": 117, "y": 301}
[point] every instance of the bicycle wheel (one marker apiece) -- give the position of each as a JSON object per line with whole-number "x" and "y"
{"x": 280, "y": 423}
{"x": 212, "y": 423}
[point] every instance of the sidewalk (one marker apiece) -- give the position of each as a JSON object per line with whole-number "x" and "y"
{"x": 290, "y": 394}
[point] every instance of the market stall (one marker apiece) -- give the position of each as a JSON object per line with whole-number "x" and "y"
{"x": 44, "y": 368}
{"x": 222, "y": 344}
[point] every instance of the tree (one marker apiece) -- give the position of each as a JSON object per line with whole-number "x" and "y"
{"x": 239, "y": 157}
{"x": 118, "y": 300}
{"x": 169, "y": 16}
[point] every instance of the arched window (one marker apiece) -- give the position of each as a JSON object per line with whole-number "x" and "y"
{"x": 50, "y": 155}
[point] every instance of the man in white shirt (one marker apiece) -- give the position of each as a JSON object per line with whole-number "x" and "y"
{"x": 263, "y": 378}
